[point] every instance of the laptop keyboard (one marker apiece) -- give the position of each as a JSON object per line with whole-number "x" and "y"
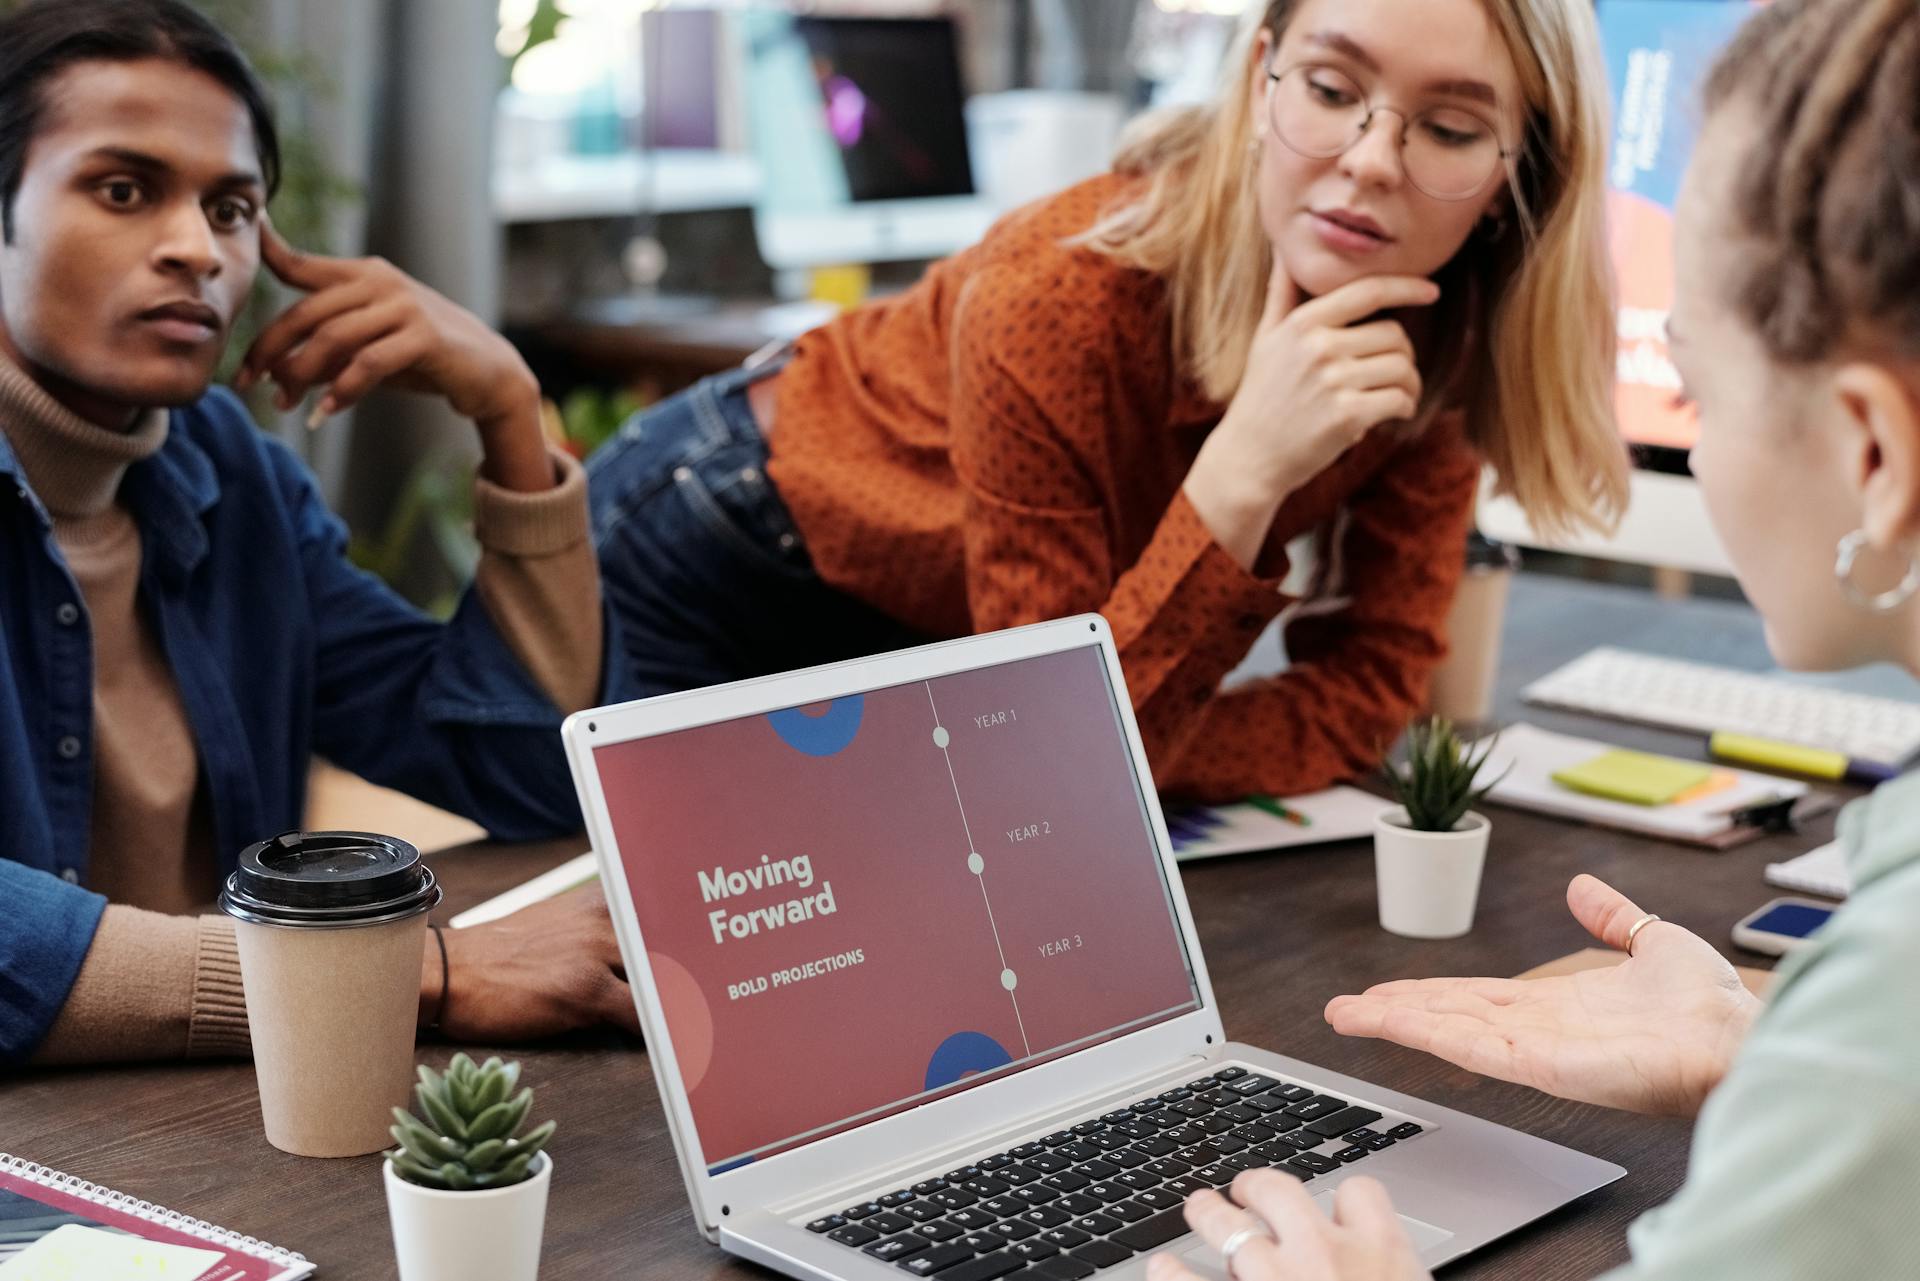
{"x": 1096, "y": 1194}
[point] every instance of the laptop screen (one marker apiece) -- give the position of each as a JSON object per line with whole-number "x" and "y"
{"x": 856, "y": 907}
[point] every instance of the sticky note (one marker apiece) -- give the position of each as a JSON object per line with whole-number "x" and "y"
{"x": 1638, "y": 778}
{"x": 74, "y": 1252}
{"x": 1722, "y": 780}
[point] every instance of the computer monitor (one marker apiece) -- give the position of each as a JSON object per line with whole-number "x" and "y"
{"x": 1658, "y": 55}
{"x": 860, "y": 130}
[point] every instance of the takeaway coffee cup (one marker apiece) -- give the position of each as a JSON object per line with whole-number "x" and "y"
{"x": 331, "y": 926}
{"x": 1463, "y": 684}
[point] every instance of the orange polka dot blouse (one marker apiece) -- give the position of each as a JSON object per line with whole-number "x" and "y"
{"x": 1005, "y": 443}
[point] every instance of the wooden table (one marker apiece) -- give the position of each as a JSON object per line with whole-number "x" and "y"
{"x": 1281, "y": 933}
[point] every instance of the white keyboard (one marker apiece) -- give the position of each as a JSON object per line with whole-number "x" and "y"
{"x": 1671, "y": 694}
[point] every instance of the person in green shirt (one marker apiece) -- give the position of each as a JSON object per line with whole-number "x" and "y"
{"x": 1797, "y": 334}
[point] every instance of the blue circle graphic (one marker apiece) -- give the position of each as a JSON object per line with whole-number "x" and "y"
{"x": 823, "y": 735}
{"x": 962, "y": 1055}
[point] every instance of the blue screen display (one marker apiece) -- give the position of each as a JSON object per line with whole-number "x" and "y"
{"x": 1792, "y": 919}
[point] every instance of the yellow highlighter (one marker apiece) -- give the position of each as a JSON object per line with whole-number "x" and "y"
{"x": 1786, "y": 758}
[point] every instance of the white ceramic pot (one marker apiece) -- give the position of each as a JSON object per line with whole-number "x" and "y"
{"x": 1429, "y": 882}
{"x": 491, "y": 1235}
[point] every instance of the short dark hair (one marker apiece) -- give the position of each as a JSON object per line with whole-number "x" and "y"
{"x": 47, "y": 36}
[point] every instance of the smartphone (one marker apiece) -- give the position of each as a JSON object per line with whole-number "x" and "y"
{"x": 1781, "y": 926}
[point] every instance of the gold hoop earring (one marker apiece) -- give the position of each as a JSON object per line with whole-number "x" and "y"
{"x": 1884, "y": 602}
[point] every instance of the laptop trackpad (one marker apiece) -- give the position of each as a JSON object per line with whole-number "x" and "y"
{"x": 1205, "y": 1260}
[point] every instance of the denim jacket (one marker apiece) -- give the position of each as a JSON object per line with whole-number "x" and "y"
{"x": 280, "y": 648}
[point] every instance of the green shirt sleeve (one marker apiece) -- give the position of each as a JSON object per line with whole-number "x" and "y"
{"x": 1806, "y": 1160}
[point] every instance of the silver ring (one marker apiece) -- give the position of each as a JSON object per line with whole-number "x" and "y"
{"x": 1233, "y": 1243}
{"x": 1639, "y": 925}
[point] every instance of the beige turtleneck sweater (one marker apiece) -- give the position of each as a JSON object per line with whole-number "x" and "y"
{"x": 160, "y": 980}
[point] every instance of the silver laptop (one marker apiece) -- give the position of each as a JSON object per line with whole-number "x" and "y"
{"x": 924, "y": 997}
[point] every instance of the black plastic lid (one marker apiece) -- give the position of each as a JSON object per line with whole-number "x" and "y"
{"x": 329, "y": 879}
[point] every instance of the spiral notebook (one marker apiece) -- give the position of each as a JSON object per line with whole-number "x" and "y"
{"x": 54, "y": 1227}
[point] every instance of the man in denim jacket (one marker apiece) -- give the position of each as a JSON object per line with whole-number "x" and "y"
{"x": 179, "y": 626}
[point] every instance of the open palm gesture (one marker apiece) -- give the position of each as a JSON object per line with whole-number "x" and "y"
{"x": 1653, "y": 1034}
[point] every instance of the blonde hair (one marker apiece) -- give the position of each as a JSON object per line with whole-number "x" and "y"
{"x": 1526, "y": 321}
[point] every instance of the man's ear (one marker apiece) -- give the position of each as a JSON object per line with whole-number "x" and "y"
{"x": 1882, "y": 416}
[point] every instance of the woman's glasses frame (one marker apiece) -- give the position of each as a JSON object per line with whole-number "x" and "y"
{"x": 1368, "y": 110}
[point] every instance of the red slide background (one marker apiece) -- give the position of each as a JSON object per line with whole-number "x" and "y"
{"x": 879, "y": 820}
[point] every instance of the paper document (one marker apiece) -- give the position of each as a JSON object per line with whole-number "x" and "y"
{"x": 74, "y": 1252}
{"x": 1820, "y": 871}
{"x": 1208, "y": 831}
{"x": 574, "y": 872}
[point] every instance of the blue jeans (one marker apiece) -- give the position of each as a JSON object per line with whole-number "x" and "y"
{"x": 700, "y": 560}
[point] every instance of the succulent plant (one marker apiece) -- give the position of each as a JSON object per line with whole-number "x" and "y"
{"x": 1437, "y": 787}
{"x": 467, "y": 1141}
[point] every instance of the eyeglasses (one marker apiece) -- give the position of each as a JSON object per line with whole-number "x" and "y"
{"x": 1320, "y": 111}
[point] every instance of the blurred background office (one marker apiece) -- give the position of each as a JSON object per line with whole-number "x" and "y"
{"x": 642, "y": 192}
{"x": 639, "y": 192}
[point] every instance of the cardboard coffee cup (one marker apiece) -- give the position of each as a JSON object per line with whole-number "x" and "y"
{"x": 1463, "y": 685}
{"x": 331, "y": 926}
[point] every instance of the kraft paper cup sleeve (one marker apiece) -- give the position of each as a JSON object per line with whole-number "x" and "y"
{"x": 332, "y": 1014}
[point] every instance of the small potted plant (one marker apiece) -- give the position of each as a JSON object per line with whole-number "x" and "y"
{"x": 1428, "y": 851}
{"x": 466, "y": 1191}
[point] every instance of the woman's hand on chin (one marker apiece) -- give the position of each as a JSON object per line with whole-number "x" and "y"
{"x": 1320, "y": 376}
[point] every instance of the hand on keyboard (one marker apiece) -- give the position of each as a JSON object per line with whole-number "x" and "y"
{"x": 1652, "y": 1034}
{"x": 1363, "y": 1241}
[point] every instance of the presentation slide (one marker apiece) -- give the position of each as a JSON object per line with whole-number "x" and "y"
{"x": 1658, "y": 55}
{"x": 849, "y": 907}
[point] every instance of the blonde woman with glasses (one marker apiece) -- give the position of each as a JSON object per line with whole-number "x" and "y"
{"x": 1796, "y": 331}
{"x": 1313, "y": 308}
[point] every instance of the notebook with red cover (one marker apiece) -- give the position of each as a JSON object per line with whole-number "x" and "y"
{"x": 36, "y": 1203}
